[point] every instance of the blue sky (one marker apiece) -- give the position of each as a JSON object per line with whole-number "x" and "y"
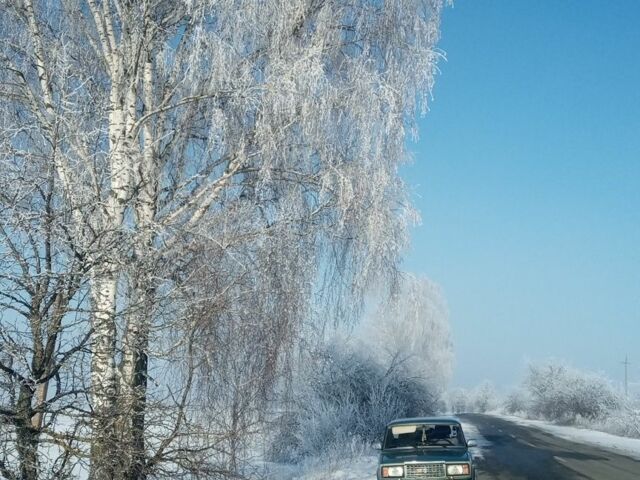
{"x": 527, "y": 176}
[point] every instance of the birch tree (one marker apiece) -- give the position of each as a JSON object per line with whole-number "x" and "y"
{"x": 263, "y": 137}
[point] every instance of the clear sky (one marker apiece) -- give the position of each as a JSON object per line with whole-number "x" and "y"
{"x": 527, "y": 175}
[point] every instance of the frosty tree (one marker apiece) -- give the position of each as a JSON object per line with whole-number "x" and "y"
{"x": 181, "y": 173}
{"x": 413, "y": 330}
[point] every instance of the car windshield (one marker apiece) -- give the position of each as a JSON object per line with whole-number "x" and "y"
{"x": 424, "y": 435}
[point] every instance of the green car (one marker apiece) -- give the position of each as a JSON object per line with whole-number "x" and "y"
{"x": 426, "y": 448}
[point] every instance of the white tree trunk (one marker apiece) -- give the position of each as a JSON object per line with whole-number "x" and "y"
{"x": 133, "y": 380}
{"x": 103, "y": 375}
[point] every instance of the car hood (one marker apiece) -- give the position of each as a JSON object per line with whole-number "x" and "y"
{"x": 425, "y": 455}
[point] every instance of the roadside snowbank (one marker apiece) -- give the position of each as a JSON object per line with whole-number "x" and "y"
{"x": 356, "y": 468}
{"x": 621, "y": 445}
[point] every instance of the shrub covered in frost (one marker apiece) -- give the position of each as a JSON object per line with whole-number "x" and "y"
{"x": 556, "y": 392}
{"x": 344, "y": 396}
{"x": 516, "y": 402}
{"x": 345, "y": 393}
{"x": 560, "y": 393}
{"x": 624, "y": 421}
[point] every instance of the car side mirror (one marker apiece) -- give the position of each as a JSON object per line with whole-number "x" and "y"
{"x": 376, "y": 446}
{"x": 472, "y": 443}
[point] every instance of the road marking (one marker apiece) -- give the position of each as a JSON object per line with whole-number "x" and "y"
{"x": 528, "y": 444}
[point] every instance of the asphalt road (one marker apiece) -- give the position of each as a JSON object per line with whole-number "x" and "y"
{"x": 524, "y": 453}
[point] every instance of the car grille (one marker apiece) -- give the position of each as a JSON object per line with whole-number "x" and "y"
{"x": 424, "y": 470}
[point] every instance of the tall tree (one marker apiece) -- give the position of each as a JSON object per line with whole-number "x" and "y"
{"x": 262, "y": 138}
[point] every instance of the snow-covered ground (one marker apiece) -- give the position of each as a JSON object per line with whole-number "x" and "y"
{"x": 356, "y": 468}
{"x": 622, "y": 445}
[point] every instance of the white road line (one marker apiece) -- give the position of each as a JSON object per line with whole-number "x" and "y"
{"x": 528, "y": 444}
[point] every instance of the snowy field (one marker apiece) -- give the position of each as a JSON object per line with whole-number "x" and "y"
{"x": 622, "y": 445}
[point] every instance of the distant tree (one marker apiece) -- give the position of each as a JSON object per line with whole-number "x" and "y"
{"x": 481, "y": 399}
{"x": 516, "y": 402}
{"x": 459, "y": 401}
{"x": 484, "y": 397}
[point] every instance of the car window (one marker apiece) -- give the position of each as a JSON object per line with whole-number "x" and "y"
{"x": 436, "y": 435}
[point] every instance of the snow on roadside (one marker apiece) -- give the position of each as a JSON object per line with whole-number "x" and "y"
{"x": 471, "y": 432}
{"x": 620, "y": 445}
{"x": 356, "y": 468}
{"x": 363, "y": 468}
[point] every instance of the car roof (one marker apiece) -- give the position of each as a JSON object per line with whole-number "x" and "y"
{"x": 425, "y": 421}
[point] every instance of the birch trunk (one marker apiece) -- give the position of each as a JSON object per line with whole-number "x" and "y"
{"x": 133, "y": 381}
{"x": 103, "y": 376}
{"x": 133, "y": 386}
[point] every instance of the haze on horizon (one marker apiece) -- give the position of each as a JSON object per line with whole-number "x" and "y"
{"x": 527, "y": 176}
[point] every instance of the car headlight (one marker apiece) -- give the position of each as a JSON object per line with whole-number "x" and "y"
{"x": 392, "y": 472}
{"x": 460, "y": 469}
